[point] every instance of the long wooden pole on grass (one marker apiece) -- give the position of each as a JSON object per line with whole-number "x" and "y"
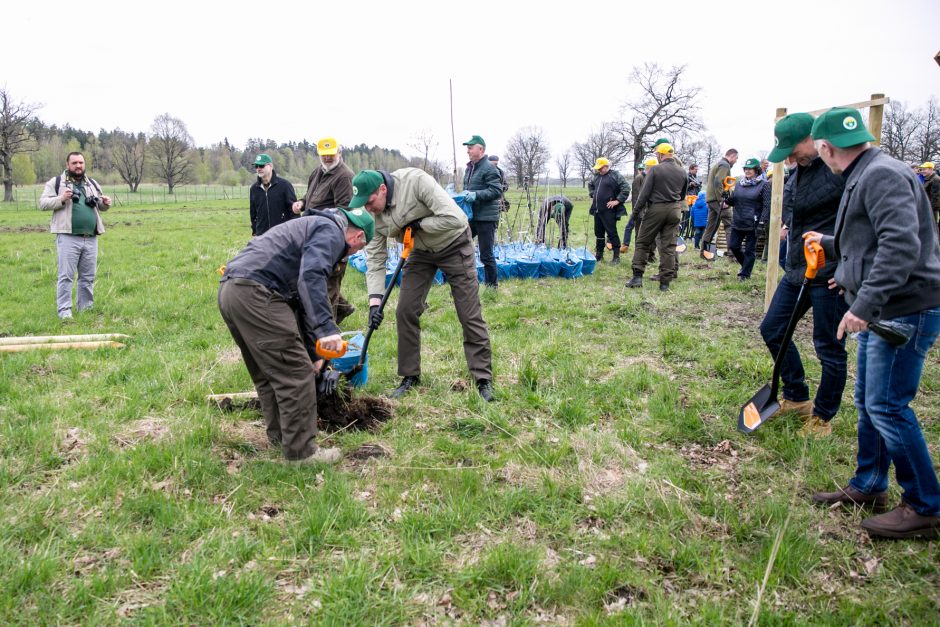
{"x": 17, "y": 348}
{"x": 50, "y": 339}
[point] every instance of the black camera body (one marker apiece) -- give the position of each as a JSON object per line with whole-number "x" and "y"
{"x": 90, "y": 201}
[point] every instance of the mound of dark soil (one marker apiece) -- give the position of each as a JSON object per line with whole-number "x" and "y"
{"x": 345, "y": 411}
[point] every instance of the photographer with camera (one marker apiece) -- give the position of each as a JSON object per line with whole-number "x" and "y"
{"x": 75, "y": 201}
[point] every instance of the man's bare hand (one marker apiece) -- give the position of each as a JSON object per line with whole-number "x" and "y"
{"x": 851, "y": 324}
{"x": 297, "y": 207}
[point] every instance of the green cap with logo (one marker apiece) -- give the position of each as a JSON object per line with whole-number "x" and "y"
{"x": 752, "y": 164}
{"x": 364, "y": 185}
{"x": 263, "y": 159}
{"x": 842, "y": 127}
{"x": 661, "y": 140}
{"x": 476, "y": 139}
{"x": 363, "y": 219}
{"x": 788, "y": 132}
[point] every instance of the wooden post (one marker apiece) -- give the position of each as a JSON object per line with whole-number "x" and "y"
{"x": 52, "y": 339}
{"x": 875, "y": 115}
{"x": 773, "y": 233}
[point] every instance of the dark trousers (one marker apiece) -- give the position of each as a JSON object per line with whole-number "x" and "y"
{"x": 265, "y": 329}
{"x": 697, "y": 233}
{"x": 458, "y": 263}
{"x": 605, "y": 229}
{"x": 485, "y": 232}
{"x": 828, "y": 308}
{"x": 743, "y": 245}
{"x": 334, "y": 285}
{"x": 716, "y": 215}
{"x": 660, "y": 226}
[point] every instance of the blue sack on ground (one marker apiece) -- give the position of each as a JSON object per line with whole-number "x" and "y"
{"x": 588, "y": 261}
{"x": 358, "y": 261}
{"x": 348, "y": 361}
{"x": 465, "y": 205}
{"x": 571, "y": 268}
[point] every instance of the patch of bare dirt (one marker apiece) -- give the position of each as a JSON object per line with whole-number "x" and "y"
{"x": 146, "y": 429}
{"x": 341, "y": 411}
{"x": 722, "y": 457}
{"x": 230, "y": 356}
{"x": 73, "y": 445}
{"x": 28, "y": 228}
{"x": 89, "y": 563}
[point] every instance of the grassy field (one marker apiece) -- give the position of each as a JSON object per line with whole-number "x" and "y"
{"x": 607, "y": 485}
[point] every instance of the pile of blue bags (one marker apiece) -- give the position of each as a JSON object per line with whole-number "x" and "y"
{"x": 522, "y": 260}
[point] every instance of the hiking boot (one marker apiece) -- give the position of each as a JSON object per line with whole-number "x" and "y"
{"x": 406, "y": 384}
{"x": 663, "y": 287}
{"x": 902, "y": 522}
{"x": 320, "y": 456}
{"x": 599, "y": 255}
{"x": 616, "y": 259}
{"x": 849, "y": 496}
{"x": 624, "y": 248}
{"x": 815, "y": 427}
{"x": 803, "y": 408}
{"x": 485, "y": 388}
{"x": 636, "y": 281}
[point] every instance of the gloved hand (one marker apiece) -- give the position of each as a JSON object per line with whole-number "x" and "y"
{"x": 328, "y": 382}
{"x": 375, "y": 317}
{"x": 470, "y": 196}
{"x": 414, "y": 226}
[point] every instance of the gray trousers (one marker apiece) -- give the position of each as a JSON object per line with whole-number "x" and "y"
{"x": 265, "y": 329}
{"x": 659, "y": 228}
{"x": 76, "y": 253}
{"x": 458, "y": 263}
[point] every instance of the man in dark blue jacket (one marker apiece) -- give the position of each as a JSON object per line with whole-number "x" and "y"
{"x": 889, "y": 269}
{"x": 484, "y": 188}
{"x": 810, "y": 203}
{"x": 274, "y": 275}
{"x": 271, "y": 198}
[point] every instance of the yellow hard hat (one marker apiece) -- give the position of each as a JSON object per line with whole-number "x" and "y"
{"x": 600, "y": 163}
{"x": 927, "y": 164}
{"x": 327, "y": 146}
{"x": 665, "y": 149}
{"x": 650, "y": 162}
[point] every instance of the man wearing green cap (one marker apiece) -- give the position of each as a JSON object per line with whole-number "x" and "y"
{"x": 271, "y": 198}
{"x": 483, "y": 189}
{"x": 411, "y": 198}
{"x": 275, "y": 278}
{"x": 810, "y": 203}
{"x": 889, "y": 269}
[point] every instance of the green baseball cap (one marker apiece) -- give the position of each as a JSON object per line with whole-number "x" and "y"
{"x": 661, "y": 140}
{"x": 364, "y": 185}
{"x": 476, "y": 139}
{"x": 788, "y": 132}
{"x": 753, "y": 163}
{"x": 842, "y": 127}
{"x": 263, "y": 159}
{"x": 363, "y": 219}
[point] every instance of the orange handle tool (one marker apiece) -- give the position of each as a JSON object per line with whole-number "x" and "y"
{"x": 729, "y": 182}
{"x": 407, "y": 243}
{"x": 815, "y": 259}
{"x": 328, "y": 354}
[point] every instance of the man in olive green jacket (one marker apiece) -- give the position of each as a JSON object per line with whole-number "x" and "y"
{"x": 411, "y": 198}
{"x": 717, "y": 211}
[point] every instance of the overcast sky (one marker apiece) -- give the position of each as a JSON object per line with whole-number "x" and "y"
{"x": 377, "y": 72}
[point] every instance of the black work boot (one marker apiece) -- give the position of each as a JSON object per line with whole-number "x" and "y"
{"x": 637, "y": 280}
{"x": 616, "y": 259}
{"x": 663, "y": 287}
{"x": 485, "y": 388}
{"x": 406, "y": 384}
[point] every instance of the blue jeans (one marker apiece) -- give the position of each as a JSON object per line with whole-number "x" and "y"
{"x": 828, "y": 309}
{"x": 743, "y": 245}
{"x": 888, "y": 431}
{"x": 697, "y": 233}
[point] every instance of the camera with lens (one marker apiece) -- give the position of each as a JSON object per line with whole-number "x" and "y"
{"x": 90, "y": 201}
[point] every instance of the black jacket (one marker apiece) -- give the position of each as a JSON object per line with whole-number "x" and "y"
{"x": 272, "y": 206}
{"x": 751, "y": 205}
{"x": 483, "y": 179}
{"x": 810, "y": 203}
{"x": 295, "y": 259}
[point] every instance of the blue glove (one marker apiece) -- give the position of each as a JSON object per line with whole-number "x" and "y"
{"x": 470, "y": 196}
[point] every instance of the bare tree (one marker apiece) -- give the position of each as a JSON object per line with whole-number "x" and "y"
{"x": 899, "y": 130}
{"x": 663, "y": 106}
{"x": 604, "y": 142}
{"x": 423, "y": 141}
{"x": 702, "y": 150}
{"x": 14, "y": 135}
{"x": 927, "y": 139}
{"x": 169, "y": 145}
{"x": 564, "y": 163}
{"x": 527, "y": 154}
{"x": 130, "y": 155}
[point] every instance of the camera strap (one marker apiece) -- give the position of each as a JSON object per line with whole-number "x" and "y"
{"x": 58, "y": 184}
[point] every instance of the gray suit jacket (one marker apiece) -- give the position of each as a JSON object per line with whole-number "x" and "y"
{"x": 885, "y": 241}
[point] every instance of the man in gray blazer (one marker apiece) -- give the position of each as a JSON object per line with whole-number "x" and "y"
{"x": 889, "y": 269}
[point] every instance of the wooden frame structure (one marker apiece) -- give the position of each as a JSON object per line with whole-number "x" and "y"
{"x": 876, "y": 108}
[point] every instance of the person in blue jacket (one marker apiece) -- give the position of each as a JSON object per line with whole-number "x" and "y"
{"x": 699, "y": 218}
{"x": 751, "y": 203}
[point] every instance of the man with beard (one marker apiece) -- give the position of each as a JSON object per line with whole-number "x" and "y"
{"x": 270, "y": 199}
{"x": 608, "y": 191}
{"x": 75, "y": 200}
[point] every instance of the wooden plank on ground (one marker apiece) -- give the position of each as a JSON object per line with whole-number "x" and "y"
{"x": 17, "y": 348}
{"x": 48, "y": 339}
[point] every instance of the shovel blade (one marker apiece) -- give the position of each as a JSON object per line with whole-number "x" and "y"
{"x": 758, "y": 410}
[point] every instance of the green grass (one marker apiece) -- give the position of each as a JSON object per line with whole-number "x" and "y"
{"x": 607, "y": 486}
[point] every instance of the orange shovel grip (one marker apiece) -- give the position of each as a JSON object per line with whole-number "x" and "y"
{"x": 729, "y": 182}
{"x": 815, "y": 259}
{"x": 407, "y": 243}
{"x": 328, "y": 354}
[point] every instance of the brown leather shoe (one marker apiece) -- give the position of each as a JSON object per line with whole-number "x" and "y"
{"x": 849, "y": 497}
{"x": 815, "y": 427}
{"x": 803, "y": 408}
{"x": 902, "y": 522}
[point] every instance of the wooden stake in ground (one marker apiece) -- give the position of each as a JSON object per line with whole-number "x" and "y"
{"x": 17, "y": 348}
